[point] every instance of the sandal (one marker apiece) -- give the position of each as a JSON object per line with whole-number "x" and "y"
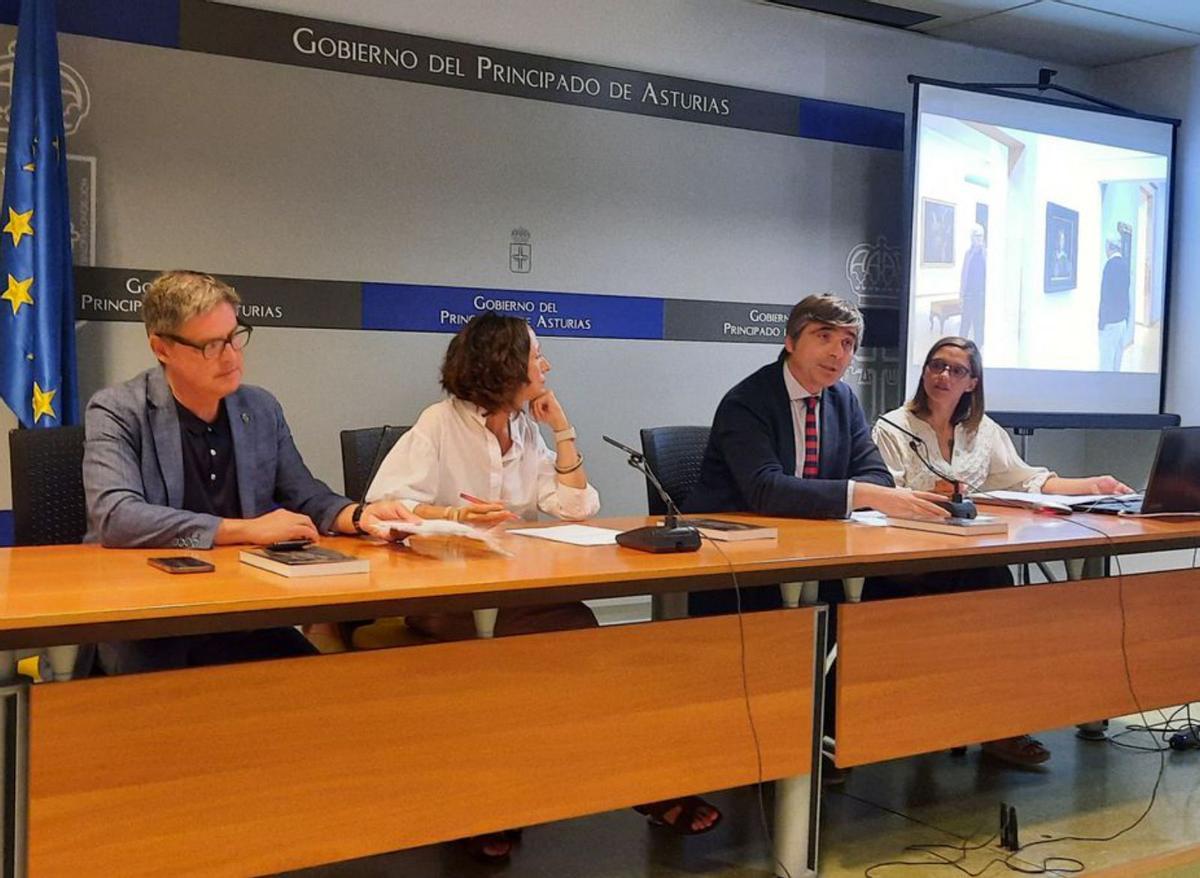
{"x": 1021, "y": 750}
{"x": 688, "y": 807}
{"x": 500, "y": 844}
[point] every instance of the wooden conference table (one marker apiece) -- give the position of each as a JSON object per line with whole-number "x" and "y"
{"x": 262, "y": 767}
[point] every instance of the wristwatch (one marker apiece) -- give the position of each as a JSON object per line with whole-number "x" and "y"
{"x": 356, "y": 517}
{"x": 565, "y": 434}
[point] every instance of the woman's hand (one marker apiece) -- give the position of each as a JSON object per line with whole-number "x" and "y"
{"x": 546, "y": 409}
{"x": 1109, "y": 485}
{"x": 484, "y": 514}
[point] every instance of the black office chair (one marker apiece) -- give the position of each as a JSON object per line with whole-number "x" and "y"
{"x": 363, "y": 450}
{"x": 49, "y": 509}
{"x": 47, "y": 486}
{"x": 673, "y": 454}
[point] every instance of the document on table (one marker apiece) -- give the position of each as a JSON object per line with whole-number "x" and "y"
{"x": 1056, "y": 502}
{"x": 869, "y": 517}
{"x": 573, "y": 534}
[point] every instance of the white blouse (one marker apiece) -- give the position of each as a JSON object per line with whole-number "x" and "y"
{"x": 451, "y": 451}
{"x": 984, "y": 460}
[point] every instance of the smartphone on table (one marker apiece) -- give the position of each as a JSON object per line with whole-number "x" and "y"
{"x": 180, "y": 564}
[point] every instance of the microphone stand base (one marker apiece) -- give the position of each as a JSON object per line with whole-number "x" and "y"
{"x": 660, "y": 540}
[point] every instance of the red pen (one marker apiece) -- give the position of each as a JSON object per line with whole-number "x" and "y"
{"x": 472, "y": 499}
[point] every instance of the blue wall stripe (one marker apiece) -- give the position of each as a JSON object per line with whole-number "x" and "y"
{"x": 847, "y": 123}
{"x": 153, "y": 22}
{"x": 421, "y": 308}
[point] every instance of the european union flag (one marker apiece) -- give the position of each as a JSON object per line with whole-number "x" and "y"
{"x": 37, "y": 311}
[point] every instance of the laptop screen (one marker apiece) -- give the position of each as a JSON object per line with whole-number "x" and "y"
{"x": 1175, "y": 477}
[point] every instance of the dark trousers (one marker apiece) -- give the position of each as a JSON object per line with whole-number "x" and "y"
{"x": 198, "y": 650}
{"x": 971, "y": 325}
{"x": 509, "y": 621}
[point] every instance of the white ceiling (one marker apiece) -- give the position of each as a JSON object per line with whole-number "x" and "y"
{"x": 1084, "y": 33}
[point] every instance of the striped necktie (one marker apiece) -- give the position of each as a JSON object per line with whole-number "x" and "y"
{"x": 812, "y": 451}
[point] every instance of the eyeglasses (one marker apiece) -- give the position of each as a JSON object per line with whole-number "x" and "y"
{"x": 937, "y": 367}
{"x": 238, "y": 339}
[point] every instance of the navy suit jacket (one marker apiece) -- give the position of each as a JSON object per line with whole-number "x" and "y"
{"x": 750, "y": 462}
{"x": 133, "y": 466}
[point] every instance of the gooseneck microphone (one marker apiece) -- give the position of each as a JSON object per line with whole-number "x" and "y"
{"x": 958, "y": 506}
{"x": 670, "y": 536}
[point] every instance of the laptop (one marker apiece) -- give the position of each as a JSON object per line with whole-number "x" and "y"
{"x": 1174, "y": 485}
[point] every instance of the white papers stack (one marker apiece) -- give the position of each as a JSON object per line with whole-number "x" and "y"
{"x": 426, "y": 526}
{"x": 572, "y": 534}
{"x": 1057, "y": 502}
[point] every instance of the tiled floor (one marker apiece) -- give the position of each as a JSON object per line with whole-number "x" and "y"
{"x": 1087, "y": 789}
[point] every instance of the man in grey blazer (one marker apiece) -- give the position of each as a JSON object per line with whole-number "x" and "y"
{"x": 185, "y": 456}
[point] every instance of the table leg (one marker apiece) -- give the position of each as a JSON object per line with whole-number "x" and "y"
{"x": 14, "y": 766}
{"x": 794, "y": 825}
{"x": 485, "y": 622}
{"x": 853, "y": 586}
{"x": 669, "y": 606}
{"x": 61, "y": 662}
{"x": 1085, "y": 568}
{"x": 1077, "y": 569}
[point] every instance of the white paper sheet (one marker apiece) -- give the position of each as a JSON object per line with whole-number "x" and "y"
{"x": 573, "y": 534}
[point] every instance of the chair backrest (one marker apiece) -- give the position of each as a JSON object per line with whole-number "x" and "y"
{"x": 47, "y": 486}
{"x": 674, "y": 455}
{"x": 363, "y": 450}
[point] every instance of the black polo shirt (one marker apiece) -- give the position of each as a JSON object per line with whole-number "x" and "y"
{"x": 209, "y": 473}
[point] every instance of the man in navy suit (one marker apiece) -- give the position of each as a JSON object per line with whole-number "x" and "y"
{"x": 766, "y": 434}
{"x": 186, "y": 456}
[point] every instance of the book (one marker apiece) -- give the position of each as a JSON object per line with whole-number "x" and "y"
{"x": 313, "y": 561}
{"x": 730, "y": 531}
{"x": 959, "y": 527}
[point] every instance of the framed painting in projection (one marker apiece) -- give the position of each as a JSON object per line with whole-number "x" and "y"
{"x": 1062, "y": 248}
{"x": 937, "y": 232}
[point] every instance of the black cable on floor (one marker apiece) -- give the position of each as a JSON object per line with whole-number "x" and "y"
{"x": 1061, "y": 865}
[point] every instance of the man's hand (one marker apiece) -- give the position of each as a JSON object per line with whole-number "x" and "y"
{"x": 546, "y": 409}
{"x": 273, "y": 527}
{"x": 385, "y": 510}
{"x": 899, "y": 502}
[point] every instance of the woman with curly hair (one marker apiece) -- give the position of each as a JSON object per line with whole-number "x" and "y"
{"x": 483, "y": 441}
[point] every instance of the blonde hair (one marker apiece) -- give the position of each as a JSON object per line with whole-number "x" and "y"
{"x": 175, "y": 297}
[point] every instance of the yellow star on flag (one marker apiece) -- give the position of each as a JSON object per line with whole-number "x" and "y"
{"x": 18, "y": 293}
{"x": 32, "y": 166}
{"x": 18, "y": 225}
{"x": 43, "y": 402}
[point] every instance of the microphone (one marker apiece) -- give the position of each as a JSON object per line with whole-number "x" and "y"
{"x": 670, "y": 536}
{"x": 958, "y": 506}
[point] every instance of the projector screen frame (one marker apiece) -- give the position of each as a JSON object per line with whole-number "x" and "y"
{"x": 1018, "y": 420}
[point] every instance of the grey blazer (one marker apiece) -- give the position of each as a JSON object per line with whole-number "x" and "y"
{"x": 133, "y": 466}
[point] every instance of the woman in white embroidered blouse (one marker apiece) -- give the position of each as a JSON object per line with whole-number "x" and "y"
{"x": 960, "y": 441}
{"x": 483, "y": 441}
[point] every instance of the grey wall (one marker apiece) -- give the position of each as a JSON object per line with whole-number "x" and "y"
{"x": 249, "y": 168}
